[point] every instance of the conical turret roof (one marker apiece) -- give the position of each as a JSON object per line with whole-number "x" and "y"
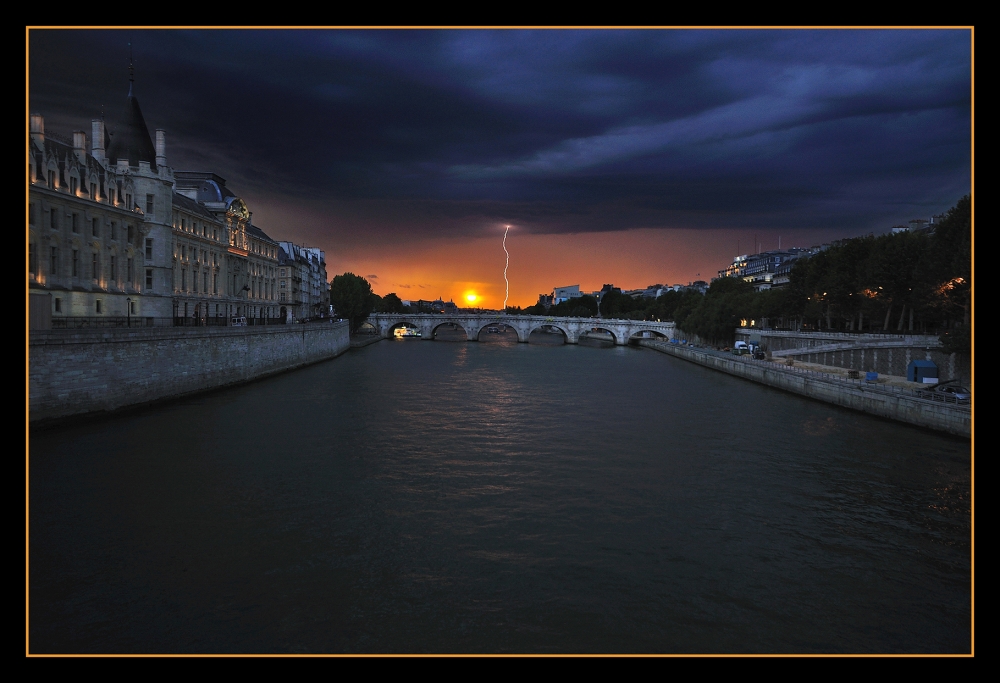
{"x": 131, "y": 138}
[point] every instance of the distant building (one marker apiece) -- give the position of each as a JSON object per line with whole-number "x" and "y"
{"x": 303, "y": 288}
{"x": 759, "y": 269}
{"x": 917, "y": 225}
{"x": 545, "y": 300}
{"x": 421, "y": 306}
{"x": 650, "y": 292}
{"x": 561, "y": 294}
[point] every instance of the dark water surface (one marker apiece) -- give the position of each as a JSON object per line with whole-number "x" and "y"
{"x": 499, "y": 497}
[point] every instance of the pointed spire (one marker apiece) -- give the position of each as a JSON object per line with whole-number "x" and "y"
{"x": 131, "y": 140}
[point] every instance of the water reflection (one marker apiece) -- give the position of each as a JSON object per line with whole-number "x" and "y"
{"x": 430, "y": 497}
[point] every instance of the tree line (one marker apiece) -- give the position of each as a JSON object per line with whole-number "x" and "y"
{"x": 900, "y": 282}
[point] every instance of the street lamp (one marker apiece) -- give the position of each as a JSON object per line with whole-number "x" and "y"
{"x": 128, "y": 310}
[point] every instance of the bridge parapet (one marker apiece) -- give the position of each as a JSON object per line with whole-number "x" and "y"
{"x": 524, "y": 325}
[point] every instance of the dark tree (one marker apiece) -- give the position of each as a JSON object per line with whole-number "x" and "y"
{"x": 957, "y": 340}
{"x": 391, "y": 303}
{"x": 722, "y": 309}
{"x": 352, "y": 298}
{"x": 614, "y": 304}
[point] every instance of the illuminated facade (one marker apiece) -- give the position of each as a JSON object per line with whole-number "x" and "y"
{"x": 760, "y": 269}
{"x": 85, "y": 227}
{"x": 114, "y": 232}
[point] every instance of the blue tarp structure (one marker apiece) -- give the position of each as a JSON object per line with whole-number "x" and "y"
{"x": 918, "y": 369}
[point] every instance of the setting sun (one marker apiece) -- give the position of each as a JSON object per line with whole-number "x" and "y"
{"x": 471, "y": 297}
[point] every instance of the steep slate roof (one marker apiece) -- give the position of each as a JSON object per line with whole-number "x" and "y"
{"x": 257, "y": 232}
{"x": 191, "y": 205}
{"x": 131, "y": 138}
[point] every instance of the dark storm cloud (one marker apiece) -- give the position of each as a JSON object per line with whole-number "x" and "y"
{"x": 558, "y": 130}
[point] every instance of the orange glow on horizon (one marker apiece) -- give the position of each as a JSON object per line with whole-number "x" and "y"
{"x": 453, "y": 268}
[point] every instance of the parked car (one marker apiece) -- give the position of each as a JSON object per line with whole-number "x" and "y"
{"x": 951, "y": 390}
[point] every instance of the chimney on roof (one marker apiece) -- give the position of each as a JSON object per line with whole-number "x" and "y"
{"x": 80, "y": 145}
{"x": 97, "y": 140}
{"x": 37, "y": 128}
{"x": 161, "y": 147}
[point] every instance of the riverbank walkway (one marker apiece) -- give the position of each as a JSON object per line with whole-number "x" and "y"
{"x": 890, "y": 397}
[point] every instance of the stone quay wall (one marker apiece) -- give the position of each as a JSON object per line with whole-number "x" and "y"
{"x": 886, "y": 354}
{"x": 76, "y": 372}
{"x": 894, "y": 405}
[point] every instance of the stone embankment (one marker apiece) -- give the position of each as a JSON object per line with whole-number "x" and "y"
{"x": 894, "y": 403}
{"x": 886, "y": 354}
{"x": 78, "y": 372}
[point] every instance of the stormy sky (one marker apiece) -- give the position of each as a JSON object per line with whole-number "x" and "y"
{"x": 617, "y": 156}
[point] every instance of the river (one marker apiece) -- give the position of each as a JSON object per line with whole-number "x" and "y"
{"x": 500, "y": 498}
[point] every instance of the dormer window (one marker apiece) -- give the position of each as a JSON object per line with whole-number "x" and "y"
{"x": 72, "y": 185}
{"x": 52, "y": 180}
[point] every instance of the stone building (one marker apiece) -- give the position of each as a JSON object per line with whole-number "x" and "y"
{"x": 303, "y": 288}
{"x": 114, "y": 232}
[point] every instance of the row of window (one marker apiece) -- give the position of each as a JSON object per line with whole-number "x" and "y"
{"x": 255, "y": 289}
{"x": 194, "y": 282}
{"x": 195, "y": 253}
{"x": 192, "y": 226}
{"x": 98, "y": 306}
{"x": 75, "y": 264}
{"x": 76, "y": 224}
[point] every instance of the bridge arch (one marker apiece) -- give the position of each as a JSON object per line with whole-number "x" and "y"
{"x": 549, "y": 327}
{"x": 646, "y": 333}
{"x": 600, "y": 332}
{"x": 453, "y": 327}
{"x": 496, "y": 329}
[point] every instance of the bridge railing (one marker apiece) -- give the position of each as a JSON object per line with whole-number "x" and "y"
{"x": 444, "y": 317}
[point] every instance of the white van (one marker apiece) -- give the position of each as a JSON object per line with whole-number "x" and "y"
{"x": 239, "y": 322}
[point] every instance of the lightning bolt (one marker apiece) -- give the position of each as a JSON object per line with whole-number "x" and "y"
{"x": 506, "y": 281}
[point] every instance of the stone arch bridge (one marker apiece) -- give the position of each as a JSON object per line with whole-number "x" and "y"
{"x": 524, "y": 325}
